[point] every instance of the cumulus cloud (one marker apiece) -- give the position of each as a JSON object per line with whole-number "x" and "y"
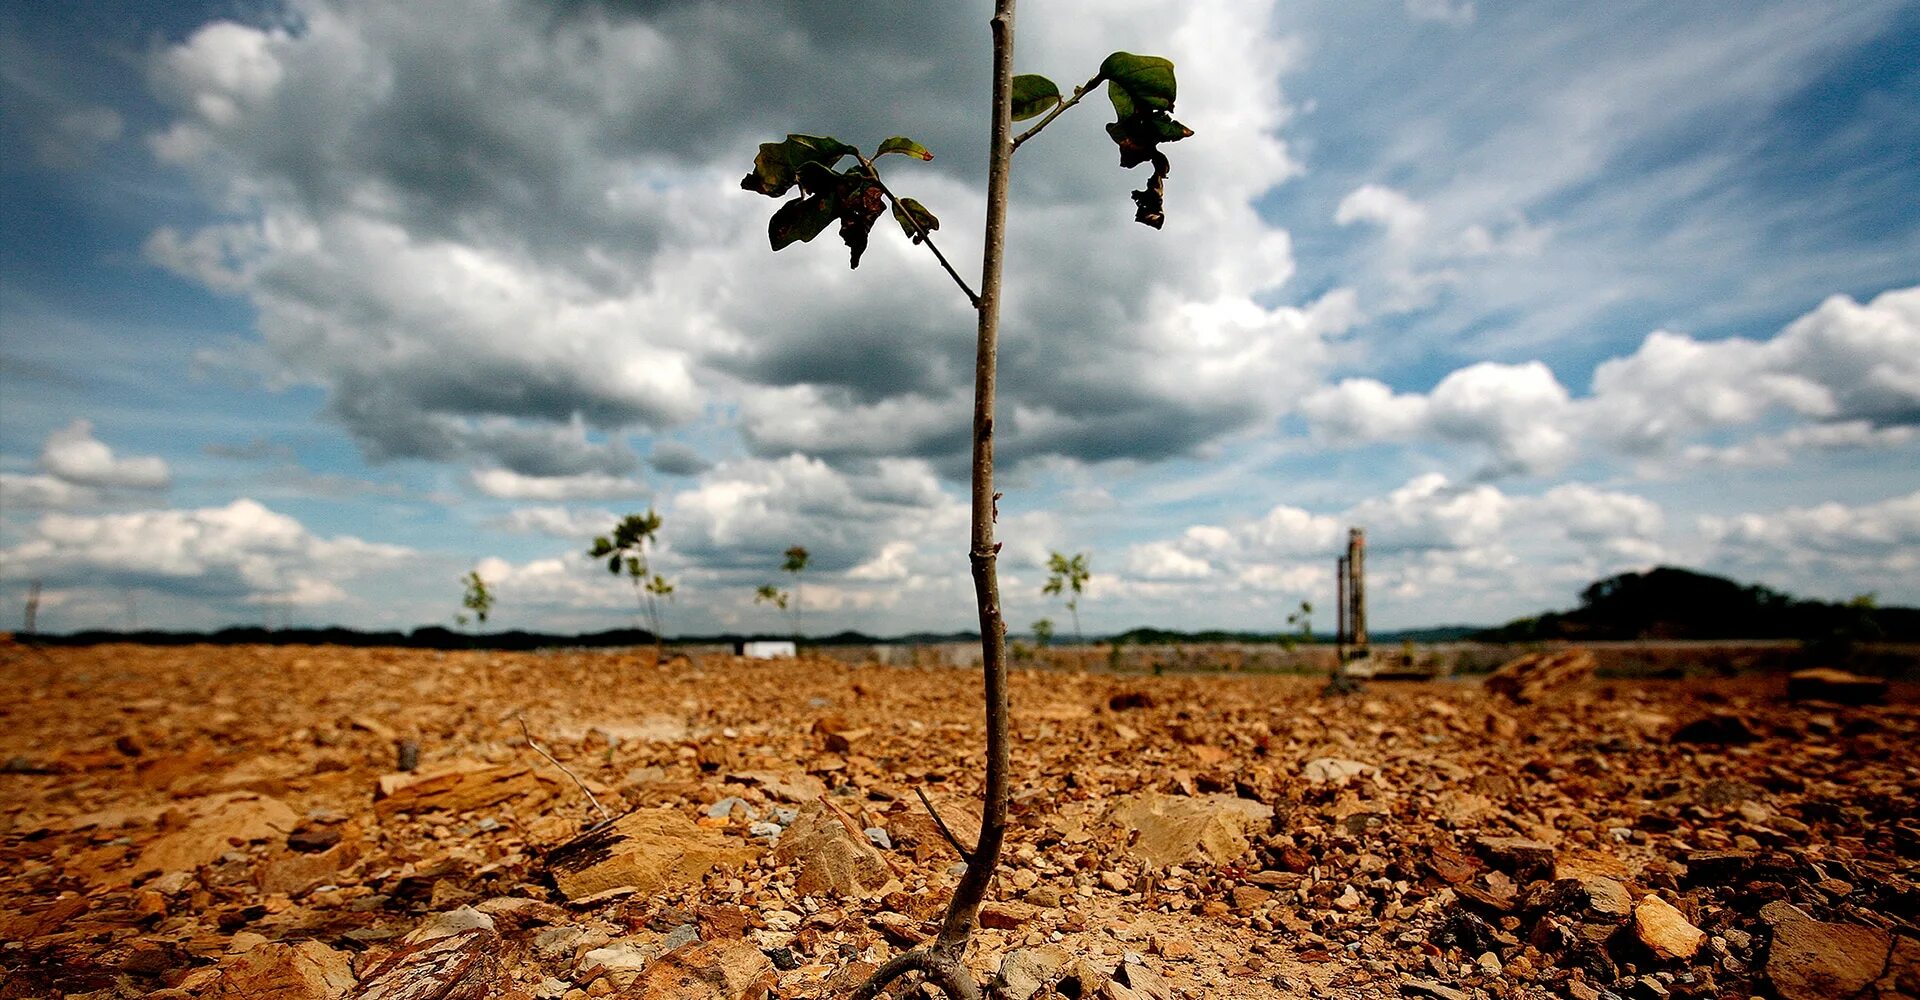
{"x": 554, "y": 235}
{"x": 1867, "y": 546}
{"x": 505, "y": 484}
{"x": 1851, "y": 371}
{"x": 569, "y": 523}
{"x": 72, "y": 455}
{"x": 242, "y": 551}
{"x": 18, "y": 492}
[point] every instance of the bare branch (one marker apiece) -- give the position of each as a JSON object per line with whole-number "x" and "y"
{"x": 966, "y": 854}
{"x": 605, "y": 817}
{"x": 922, "y": 234}
{"x": 1058, "y": 110}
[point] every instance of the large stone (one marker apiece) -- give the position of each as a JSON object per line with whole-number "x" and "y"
{"x": 458, "y": 788}
{"x": 1529, "y": 678}
{"x": 1334, "y": 770}
{"x": 1665, "y": 930}
{"x": 716, "y": 970}
{"x": 463, "y": 966}
{"x": 307, "y": 970}
{"x": 648, "y": 850}
{"x": 1828, "y": 684}
{"x": 1169, "y": 830}
{"x": 214, "y": 825}
{"x": 834, "y": 855}
{"x": 1815, "y": 960}
{"x": 1026, "y": 972}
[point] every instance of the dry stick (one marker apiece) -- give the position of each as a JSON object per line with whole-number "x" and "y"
{"x": 605, "y": 818}
{"x": 942, "y": 963}
{"x": 965, "y": 855}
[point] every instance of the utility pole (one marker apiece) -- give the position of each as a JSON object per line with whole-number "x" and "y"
{"x": 1350, "y": 641}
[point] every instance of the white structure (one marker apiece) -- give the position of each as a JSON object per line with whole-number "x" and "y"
{"x": 767, "y": 650}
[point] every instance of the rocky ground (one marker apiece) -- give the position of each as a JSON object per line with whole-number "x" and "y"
{"x": 236, "y": 822}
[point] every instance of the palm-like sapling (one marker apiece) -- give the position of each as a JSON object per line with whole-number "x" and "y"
{"x": 478, "y": 599}
{"x": 625, "y": 551}
{"x": 1141, "y": 89}
{"x": 1068, "y": 575}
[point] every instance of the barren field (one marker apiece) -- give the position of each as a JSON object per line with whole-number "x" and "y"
{"x": 234, "y": 822}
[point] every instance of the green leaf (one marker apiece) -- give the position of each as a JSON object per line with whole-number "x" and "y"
{"x": 777, "y": 167}
{"x": 1146, "y": 81}
{"x": 1033, "y": 95}
{"x": 800, "y": 220}
{"x": 907, "y": 212}
{"x": 902, "y": 144}
{"x": 613, "y": 565}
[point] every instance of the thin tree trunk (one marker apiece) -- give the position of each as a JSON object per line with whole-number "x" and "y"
{"x": 942, "y": 962}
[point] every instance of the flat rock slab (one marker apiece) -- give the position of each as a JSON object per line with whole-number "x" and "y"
{"x": 1828, "y": 684}
{"x": 1529, "y": 678}
{"x": 463, "y": 788}
{"x": 1816, "y": 960}
{"x": 463, "y": 966}
{"x": 1174, "y": 829}
{"x": 215, "y": 823}
{"x": 648, "y": 851}
{"x": 308, "y": 970}
{"x": 717, "y": 970}
{"x": 1665, "y": 930}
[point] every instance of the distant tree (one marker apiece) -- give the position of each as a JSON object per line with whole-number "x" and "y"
{"x": 625, "y": 550}
{"x": 1043, "y": 631}
{"x": 1067, "y": 575}
{"x": 1301, "y": 623}
{"x": 794, "y": 562}
{"x": 478, "y": 599}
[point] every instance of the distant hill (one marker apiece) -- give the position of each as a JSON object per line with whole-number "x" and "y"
{"x": 1671, "y": 603}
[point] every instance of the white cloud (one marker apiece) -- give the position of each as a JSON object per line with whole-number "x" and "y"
{"x": 506, "y": 484}
{"x": 18, "y": 492}
{"x": 557, "y": 522}
{"x": 1444, "y": 11}
{"x": 1852, "y": 369}
{"x": 240, "y": 551}
{"x": 1873, "y": 546}
{"x": 73, "y": 455}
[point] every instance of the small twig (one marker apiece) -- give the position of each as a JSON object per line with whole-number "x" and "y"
{"x": 965, "y": 854}
{"x": 605, "y": 817}
{"x": 925, "y": 237}
{"x": 1058, "y": 110}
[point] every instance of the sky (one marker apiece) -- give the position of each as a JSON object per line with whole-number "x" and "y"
{"x": 308, "y": 309}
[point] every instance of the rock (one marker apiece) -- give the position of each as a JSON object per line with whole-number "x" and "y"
{"x": 307, "y": 970}
{"x": 310, "y": 837}
{"x": 912, "y": 830}
{"x": 1140, "y": 981}
{"x": 1006, "y": 916}
{"x": 1902, "y": 978}
{"x": 213, "y": 825}
{"x": 1325, "y": 770}
{"x": 1812, "y": 959}
{"x": 449, "y": 923}
{"x": 463, "y": 966}
{"x": 1606, "y": 900}
{"x": 1515, "y": 855}
{"x": 458, "y": 788}
{"x": 1174, "y": 829}
{"x": 620, "y": 962}
{"x": 1027, "y": 971}
{"x": 297, "y": 874}
{"x": 1716, "y": 729}
{"x": 1664, "y": 930}
{"x": 834, "y": 855}
{"x": 793, "y": 786}
{"x": 878, "y": 838}
{"x": 1828, "y": 684}
{"x": 1528, "y": 678}
{"x": 1427, "y": 987}
{"x": 715, "y": 970}
{"x": 647, "y": 850}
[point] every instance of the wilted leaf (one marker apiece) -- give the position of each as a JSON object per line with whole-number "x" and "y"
{"x": 859, "y": 206}
{"x": 1146, "y": 81}
{"x": 799, "y": 220}
{"x": 1033, "y": 95}
{"x": 902, "y": 144}
{"x": 777, "y": 168}
{"x": 907, "y": 212}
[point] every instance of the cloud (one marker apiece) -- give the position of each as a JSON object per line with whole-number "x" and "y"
{"x": 242, "y": 551}
{"x": 553, "y": 236}
{"x": 506, "y": 484}
{"x": 1851, "y": 371}
{"x": 672, "y": 458}
{"x": 1443, "y": 11}
{"x": 18, "y": 492}
{"x": 1858, "y": 547}
{"x": 73, "y": 455}
{"x": 574, "y": 525}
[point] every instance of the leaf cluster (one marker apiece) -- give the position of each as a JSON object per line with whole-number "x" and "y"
{"x": 853, "y": 196}
{"x": 1142, "y": 91}
{"x": 1066, "y": 574}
